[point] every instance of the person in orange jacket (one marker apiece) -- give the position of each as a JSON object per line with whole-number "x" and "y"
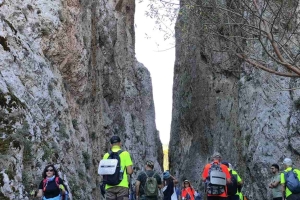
{"x": 188, "y": 191}
{"x": 216, "y": 192}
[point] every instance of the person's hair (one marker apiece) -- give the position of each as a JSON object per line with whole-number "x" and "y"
{"x": 276, "y": 166}
{"x": 186, "y": 182}
{"x": 45, "y": 170}
{"x": 150, "y": 164}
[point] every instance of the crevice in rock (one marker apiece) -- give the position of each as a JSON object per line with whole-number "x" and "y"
{"x": 3, "y": 42}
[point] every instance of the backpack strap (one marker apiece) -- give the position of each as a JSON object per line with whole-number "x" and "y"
{"x": 57, "y": 181}
{"x": 45, "y": 183}
{"x": 120, "y": 151}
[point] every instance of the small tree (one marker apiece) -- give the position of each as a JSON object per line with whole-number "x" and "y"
{"x": 246, "y": 27}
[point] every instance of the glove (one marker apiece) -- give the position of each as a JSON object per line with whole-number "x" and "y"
{"x": 62, "y": 187}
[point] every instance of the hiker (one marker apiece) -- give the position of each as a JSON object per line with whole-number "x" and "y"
{"x": 236, "y": 181}
{"x": 169, "y": 183}
{"x": 146, "y": 188}
{"x": 51, "y": 187}
{"x": 289, "y": 180}
{"x": 188, "y": 191}
{"x": 212, "y": 174}
{"x": 117, "y": 185}
{"x": 178, "y": 191}
{"x": 275, "y": 183}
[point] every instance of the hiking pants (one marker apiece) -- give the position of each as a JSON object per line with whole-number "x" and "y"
{"x": 234, "y": 197}
{"x": 277, "y": 198}
{"x": 293, "y": 197}
{"x": 143, "y": 197}
{"x": 216, "y": 198}
{"x": 117, "y": 193}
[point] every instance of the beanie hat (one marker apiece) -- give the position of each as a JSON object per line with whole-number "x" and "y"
{"x": 166, "y": 175}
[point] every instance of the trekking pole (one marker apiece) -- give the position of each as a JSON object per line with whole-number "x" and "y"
{"x": 131, "y": 195}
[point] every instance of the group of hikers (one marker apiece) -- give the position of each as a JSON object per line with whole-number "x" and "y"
{"x": 221, "y": 181}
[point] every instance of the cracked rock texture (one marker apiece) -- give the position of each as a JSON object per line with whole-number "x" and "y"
{"x": 69, "y": 80}
{"x": 232, "y": 108}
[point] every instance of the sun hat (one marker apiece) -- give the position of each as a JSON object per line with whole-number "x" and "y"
{"x": 287, "y": 161}
{"x": 217, "y": 155}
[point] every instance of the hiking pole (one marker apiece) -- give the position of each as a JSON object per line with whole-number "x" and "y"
{"x": 132, "y": 193}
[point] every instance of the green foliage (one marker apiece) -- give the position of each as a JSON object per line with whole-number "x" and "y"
{"x": 2, "y": 197}
{"x": 86, "y": 159}
{"x": 20, "y": 138}
{"x": 10, "y": 173}
{"x": 297, "y": 104}
{"x": 81, "y": 174}
{"x": 93, "y": 136}
{"x": 4, "y": 145}
{"x": 247, "y": 139}
{"x": 1, "y": 179}
{"x": 25, "y": 180}
{"x": 62, "y": 131}
{"x": 49, "y": 151}
{"x": 75, "y": 124}
{"x": 75, "y": 188}
{"x": 50, "y": 88}
{"x": 45, "y": 31}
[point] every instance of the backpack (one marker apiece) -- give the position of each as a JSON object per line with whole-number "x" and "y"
{"x": 292, "y": 181}
{"x": 151, "y": 186}
{"x": 45, "y": 183}
{"x": 117, "y": 176}
{"x": 217, "y": 179}
{"x": 232, "y": 187}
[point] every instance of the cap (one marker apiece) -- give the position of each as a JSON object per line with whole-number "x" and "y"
{"x": 217, "y": 155}
{"x": 115, "y": 139}
{"x": 150, "y": 163}
{"x": 166, "y": 175}
{"x": 186, "y": 181}
{"x": 230, "y": 166}
{"x": 225, "y": 163}
{"x": 287, "y": 161}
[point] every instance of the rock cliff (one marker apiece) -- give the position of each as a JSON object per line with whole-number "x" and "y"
{"x": 228, "y": 107}
{"x": 69, "y": 80}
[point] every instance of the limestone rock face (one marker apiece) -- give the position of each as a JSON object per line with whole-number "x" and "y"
{"x": 69, "y": 80}
{"x": 232, "y": 108}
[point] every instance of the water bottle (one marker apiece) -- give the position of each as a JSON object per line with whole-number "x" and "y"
{"x": 121, "y": 175}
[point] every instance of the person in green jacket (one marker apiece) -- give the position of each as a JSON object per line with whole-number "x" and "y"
{"x": 238, "y": 178}
{"x": 286, "y": 192}
{"x": 120, "y": 191}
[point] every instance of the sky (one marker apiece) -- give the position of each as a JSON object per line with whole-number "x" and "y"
{"x": 151, "y": 50}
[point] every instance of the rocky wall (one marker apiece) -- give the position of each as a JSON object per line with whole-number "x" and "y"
{"x": 222, "y": 104}
{"x": 69, "y": 80}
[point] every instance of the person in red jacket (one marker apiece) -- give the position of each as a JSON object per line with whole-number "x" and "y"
{"x": 215, "y": 192}
{"x": 188, "y": 191}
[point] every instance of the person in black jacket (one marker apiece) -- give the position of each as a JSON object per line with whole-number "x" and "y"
{"x": 51, "y": 187}
{"x": 169, "y": 183}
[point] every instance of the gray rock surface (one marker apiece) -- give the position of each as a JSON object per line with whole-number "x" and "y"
{"x": 232, "y": 108}
{"x": 69, "y": 80}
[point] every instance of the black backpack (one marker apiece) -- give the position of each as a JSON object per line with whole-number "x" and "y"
{"x": 232, "y": 187}
{"x": 117, "y": 177}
